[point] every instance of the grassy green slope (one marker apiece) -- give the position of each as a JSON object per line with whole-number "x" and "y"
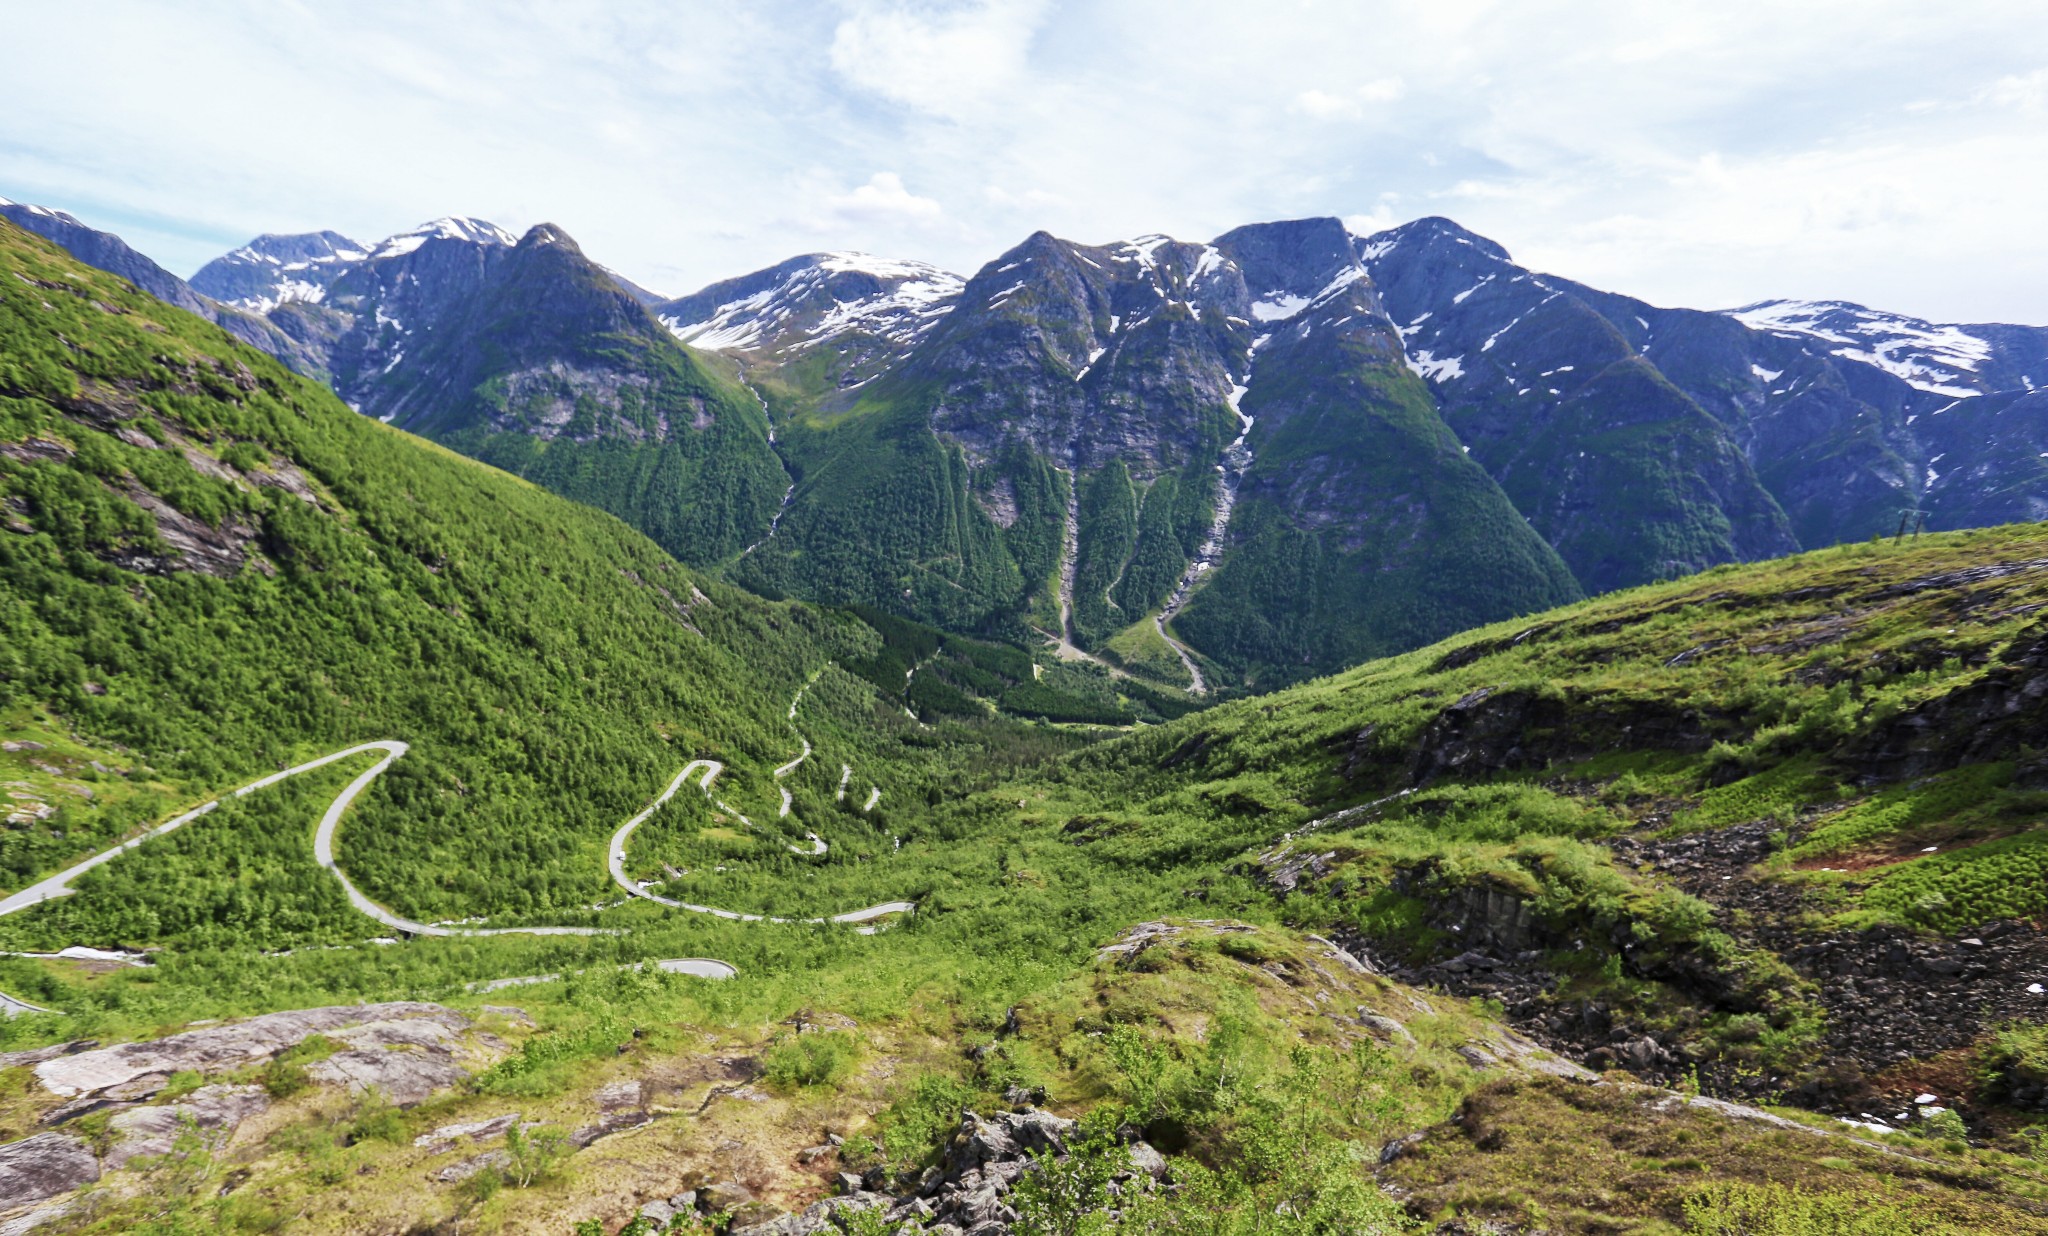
{"x": 1741, "y": 693}
{"x": 885, "y": 516}
{"x": 551, "y": 668}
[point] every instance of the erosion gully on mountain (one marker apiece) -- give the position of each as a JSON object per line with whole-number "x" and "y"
{"x": 1237, "y": 460}
{"x": 789, "y": 494}
{"x": 705, "y": 771}
{"x": 1063, "y": 644}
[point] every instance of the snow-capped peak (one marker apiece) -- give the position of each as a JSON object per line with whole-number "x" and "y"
{"x": 301, "y": 252}
{"x": 880, "y": 267}
{"x": 44, "y": 211}
{"x": 476, "y": 231}
{"x": 1930, "y": 356}
{"x": 807, "y": 301}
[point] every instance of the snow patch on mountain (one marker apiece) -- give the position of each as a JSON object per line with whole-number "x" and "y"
{"x": 1278, "y": 306}
{"x": 1141, "y": 251}
{"x": 1926, "y": 355}
{"x": 1428, "y": 366}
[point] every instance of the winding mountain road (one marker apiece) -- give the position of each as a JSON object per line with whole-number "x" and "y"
{"x": 706, "y": 770}
{"x": 817, "y": 846}
{"x": 59, "y": 885}
{"x": 617, "y": 863}
{"x": 323, "y": 851}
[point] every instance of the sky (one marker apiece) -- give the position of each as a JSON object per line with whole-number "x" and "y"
{"x": 1707, "y": 154}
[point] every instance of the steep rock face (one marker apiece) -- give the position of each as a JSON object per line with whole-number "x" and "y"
{"x": 1361, "y": 525}
{"x": 274, "y": 269}
{"x": 1614, "y": 465}
{"x": 1091, "y": 353}
{"x": 509, "y": 334}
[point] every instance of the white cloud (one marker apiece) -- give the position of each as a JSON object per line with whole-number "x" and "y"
{"x": 937, "y": 61}
{"x": 1326, "y": 106}
{"x": 1380, "y": 219}
{"x": 2027, "y": 93}
{"x": 1383, "y": 90}
{"x": 882, "y": 199}
{"x": 1350, "y": 104}
{"x": 1880, "y": 150}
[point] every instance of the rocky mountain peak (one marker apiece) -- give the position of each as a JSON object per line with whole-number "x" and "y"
{"x": 1434, "y": 233}
{"x": 542, "y": 234}
{"x": 1295, "y": 258}
{"x": 276, "y": 268}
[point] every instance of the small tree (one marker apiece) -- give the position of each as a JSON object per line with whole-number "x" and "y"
{"x": 1065, "y": 1195}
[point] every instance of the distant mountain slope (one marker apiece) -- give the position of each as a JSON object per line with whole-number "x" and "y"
{"x": 273, "y": 269}
{"x": 1638, "y": 442}
{"x": 1628, "y": 477}
{"x": 1956, "y": 360}
{"x": 1245, "y": 445}
{"x": 528, "y": 354}
{"x": 816, "y": 324}
{"x": 546, "y": 367}
{"x": 109, "y": 252}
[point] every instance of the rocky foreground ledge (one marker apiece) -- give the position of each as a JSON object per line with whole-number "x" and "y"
{"x": 407, "y": 1051}
{"x": 966, "y": 1194}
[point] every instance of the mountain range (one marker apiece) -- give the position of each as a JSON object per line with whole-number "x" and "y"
{"x": 1233, "y": 463}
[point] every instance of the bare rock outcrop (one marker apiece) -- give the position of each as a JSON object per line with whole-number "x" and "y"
{"x": 213, "y": 1112}
{"x": 38, "y": 1168}
{"x": 216, "y": 1049}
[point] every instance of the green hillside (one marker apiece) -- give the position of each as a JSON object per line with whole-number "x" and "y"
{"x": 211, "y": 569}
